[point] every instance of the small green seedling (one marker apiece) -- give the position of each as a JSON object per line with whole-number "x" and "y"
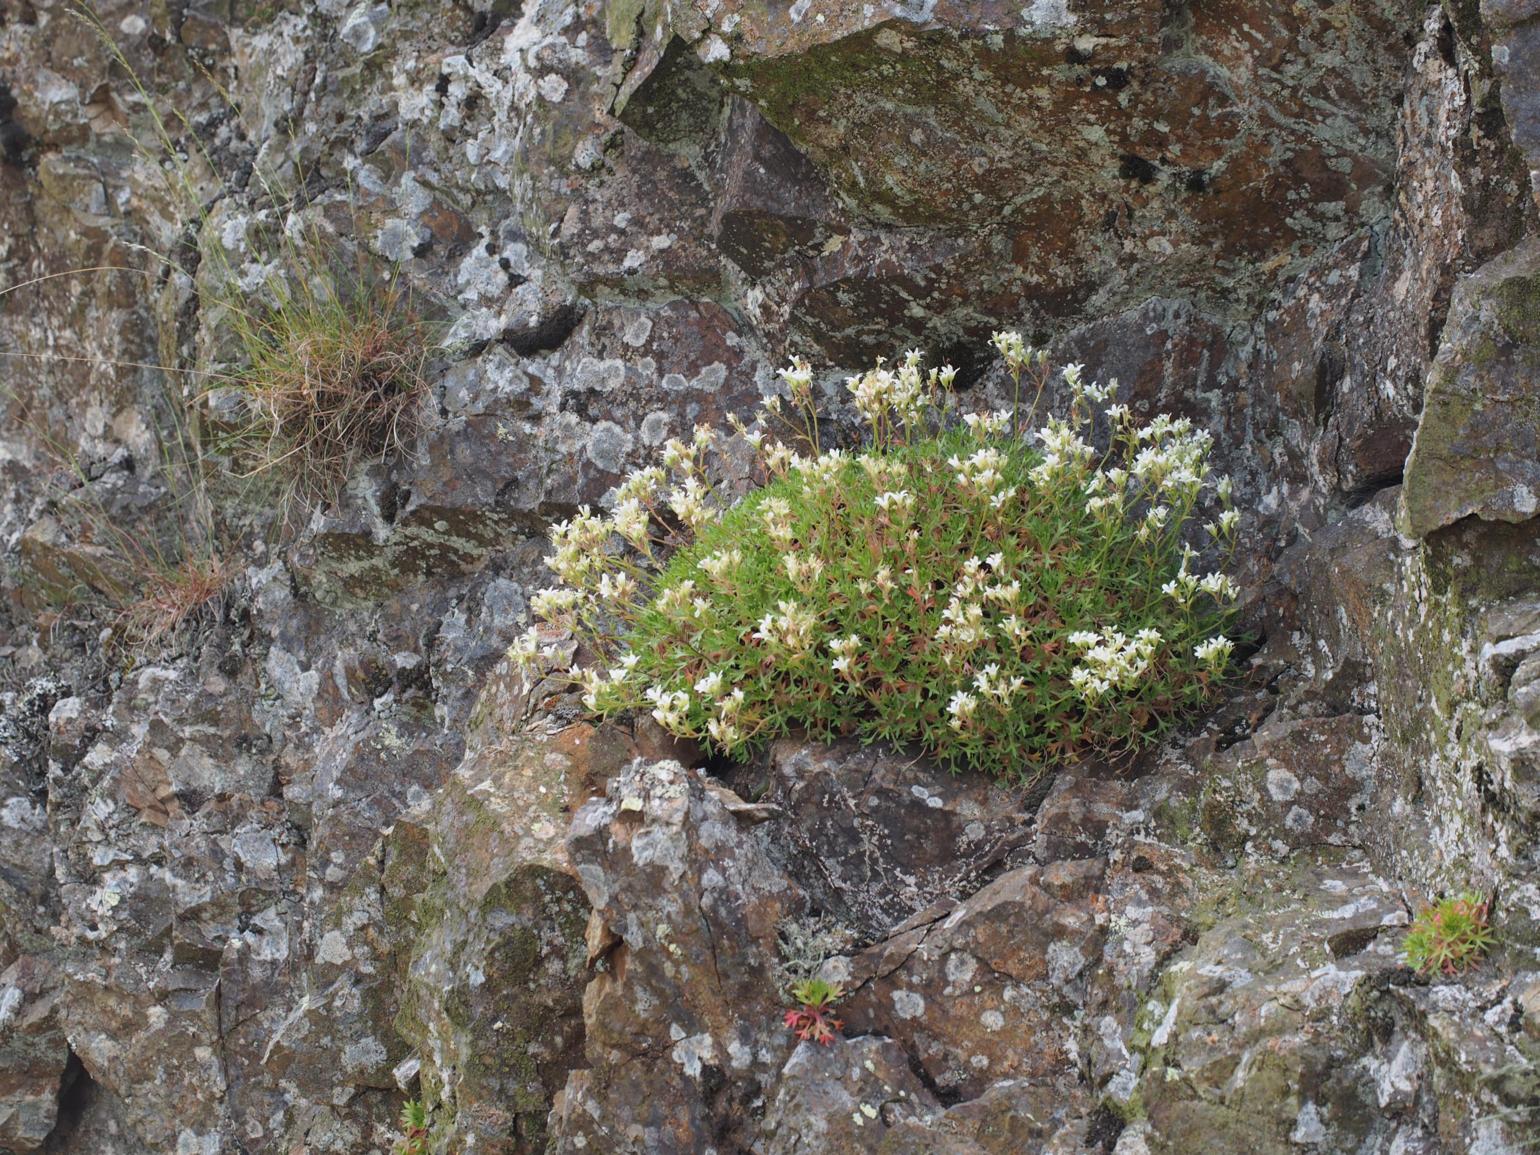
{"x": 811, "y": 1019}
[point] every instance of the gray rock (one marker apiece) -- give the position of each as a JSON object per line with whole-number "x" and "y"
{"x": 1478, "y": 444}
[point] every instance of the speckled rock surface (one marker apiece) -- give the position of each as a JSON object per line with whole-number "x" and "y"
{"x": 321, "y": 852}
{"x": 882, "y": 835}
{"x": 1476, "y": 451}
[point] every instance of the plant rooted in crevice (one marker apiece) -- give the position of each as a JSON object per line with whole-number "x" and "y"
{"x": 1001, "y": 593}
{"x": 812, "y": 1019}
{"x": 333, "y": 378}
{"x": 414, "y": 1129}
{"x": 1450, "y": 936}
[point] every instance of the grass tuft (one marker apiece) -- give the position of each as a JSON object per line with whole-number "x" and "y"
{"x": 172, "y": 597}
{"x": 331, "y": 381}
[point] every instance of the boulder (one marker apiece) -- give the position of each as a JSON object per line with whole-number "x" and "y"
{"x": 683, "y": 1012}
{"x": 1477, "y": 451}
{"x": 874, "y": 835}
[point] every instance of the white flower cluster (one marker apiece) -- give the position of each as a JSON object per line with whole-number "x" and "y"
{"x": 1017, "y": 354}
{"x": 1110, "y": 661}
{"x": 1214, "y": 653}
{"x": 803, "y": 570}
{"x": 579, "y": 547}
{"x": 726, "y": 708}
{"x": 981, "y": 474}
{"x": 896, "y": 397}
{"x": 792, "y": 628}
{"x": 988, "y": 685}
{"x": 1083, "y": 390}
{"x": 670, "y": 708}
{"x": 722, "y": 567}
{"x": 1065, "y": 454}
{"x": 984, "y": 425}
{"x": 1186, "y": 586}
{"x": 844, "y": 651}
{"x": 776, "y": 514}
{"x": 972, "y": 616}
{"x": 822, "y": 470}
{"x": 1176, "y": 460}
{"x": 680, "y": 604}
{"x": 897, "y": 505}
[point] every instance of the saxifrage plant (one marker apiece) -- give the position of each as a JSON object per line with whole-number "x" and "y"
{"x": 997, "y": 593}
{"x": 1450, "y": 936}
{"x": 414, "y": 1129}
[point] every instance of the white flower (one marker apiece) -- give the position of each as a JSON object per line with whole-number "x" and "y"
{"x": 631, "y": 521}
{"x": 1215, "y": 652}
{"x": 1010, "y": 346}
{"x": 982, "y": 472}
{"x": 555, "y": 603}
{"x": 962, "y": 708}
{"x": 1219, "y": 586}
{"x": 798, "y": 377}
{"x": 721, "y": 565}
{"x": 670, "y": 708}
{"x": 988, "y": 424}
{"x": 724, "y": 734}
{"x": 525, "y": 648}
{"x": 710, "y": 685}
{"x": 617, "y": 588}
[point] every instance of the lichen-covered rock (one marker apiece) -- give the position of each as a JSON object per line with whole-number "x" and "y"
{"x": 683, "y": 1011}
{"x": 1250, "y": 1043}
{"x": 1477, "y": 451}
{"x": 494, "y": 976}
{"x": 877, "y": 836}
{"x": 976, "y": 991}
{"x": 847, "y": 1097}
{"x": 33, "y": 1054}
{"x": 1292, "y": 784}
{"x": 1515, "y": 32}
{"x": 267, "y": 879}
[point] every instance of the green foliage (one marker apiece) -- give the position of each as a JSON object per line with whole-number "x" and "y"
{"x": 816, "y": 994}
{"x": 1449, "y": 937}
{"x": 999, "y": 595}
{"x": 414, "y": 1129}
{"x": 810, "y": 1019}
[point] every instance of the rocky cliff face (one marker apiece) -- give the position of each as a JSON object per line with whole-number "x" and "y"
{"x": 323, "y": 850}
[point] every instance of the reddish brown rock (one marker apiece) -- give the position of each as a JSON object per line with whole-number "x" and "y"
{"x": 683, "y": 1010}
{"x": 976, "y": 991}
